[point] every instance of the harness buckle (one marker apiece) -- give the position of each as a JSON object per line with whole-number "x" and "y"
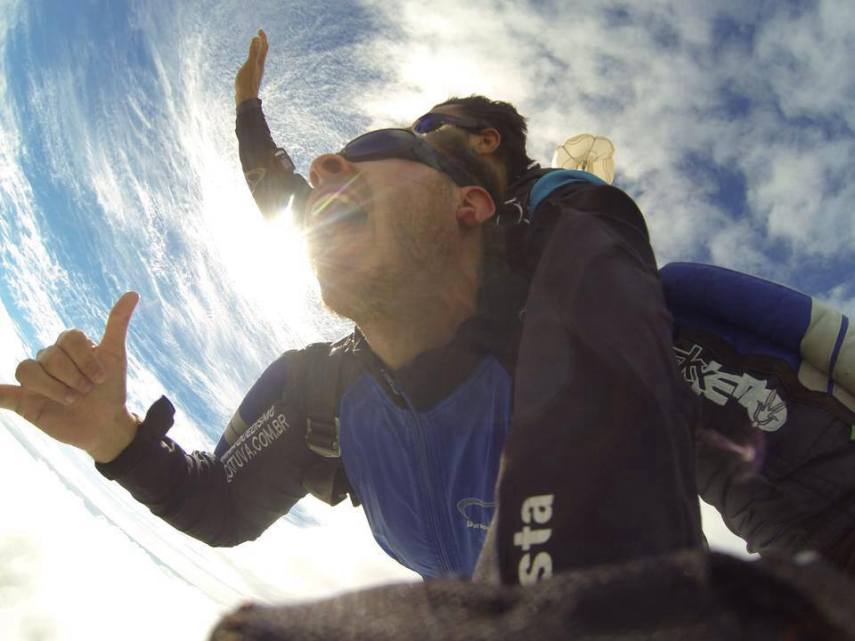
{"x": 322, "y": 437}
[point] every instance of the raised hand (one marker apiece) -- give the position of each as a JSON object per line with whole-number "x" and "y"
{"x": 75, "y": 390}
{"x": 248, "y": 78}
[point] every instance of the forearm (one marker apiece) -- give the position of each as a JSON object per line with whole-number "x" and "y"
{"x": 188, "y": 491}
{"x": 269, "y": 171}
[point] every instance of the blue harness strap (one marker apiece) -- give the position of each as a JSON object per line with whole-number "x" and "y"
{"x": 556, "y": 179}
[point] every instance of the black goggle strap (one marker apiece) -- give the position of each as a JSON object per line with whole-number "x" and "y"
{"x": 404, "y": 144}
{"x": 429, "y": 155}
{"x": 379, "y": 144}
{"x": 453, "y": 169}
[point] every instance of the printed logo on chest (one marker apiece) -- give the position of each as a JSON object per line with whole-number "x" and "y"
{"x": 476, "y": 512}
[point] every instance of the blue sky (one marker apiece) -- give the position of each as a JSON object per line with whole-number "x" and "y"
{"x": 733, "y": 124}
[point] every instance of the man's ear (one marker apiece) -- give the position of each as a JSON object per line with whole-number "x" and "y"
{"x": 486, "y": 141}
{"x": 476, "y": 206}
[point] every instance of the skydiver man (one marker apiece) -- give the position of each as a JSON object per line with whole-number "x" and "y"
{"x": 775, "y": 490}
{"x": 596, "y": 462}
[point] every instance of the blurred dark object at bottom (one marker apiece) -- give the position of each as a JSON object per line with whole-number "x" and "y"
{"x": 684, "y": 596}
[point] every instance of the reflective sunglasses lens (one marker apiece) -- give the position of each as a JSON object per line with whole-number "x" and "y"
{"x": 429, "y": 123}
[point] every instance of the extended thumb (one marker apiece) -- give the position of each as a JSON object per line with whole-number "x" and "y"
{"x": 116, "y": 330}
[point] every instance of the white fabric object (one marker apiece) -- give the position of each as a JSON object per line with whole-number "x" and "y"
{"x": 817, "y": 347}
{"x": 594, "y": 154}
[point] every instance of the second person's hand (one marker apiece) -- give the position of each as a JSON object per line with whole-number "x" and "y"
{"x": 248, "y": 78}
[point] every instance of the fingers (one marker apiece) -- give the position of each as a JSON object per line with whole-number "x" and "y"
{"x": 78, "y": 352}
{"x": 262, "y": 49}
{"x": 253, "y": 46}
{"x": 33, "y": 377}
{"x": 71, "y": 367}
{"x": 10, "y": 397}
{"x": 64, "y": 370}
{"x": 116, "y": 331}
{"x": 24, "y": 403}
{"x": 258, "y": 48}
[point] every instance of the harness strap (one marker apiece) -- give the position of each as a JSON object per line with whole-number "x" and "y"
{"x": 324, "y": 369}
{"x": 323, "y": 388}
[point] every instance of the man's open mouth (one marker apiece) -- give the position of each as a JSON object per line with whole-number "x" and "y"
{"x": 335, "y": 208}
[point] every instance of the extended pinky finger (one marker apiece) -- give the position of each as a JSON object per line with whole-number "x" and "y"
{"x": 10, "y": 397}
{"x": 32, "y": 377}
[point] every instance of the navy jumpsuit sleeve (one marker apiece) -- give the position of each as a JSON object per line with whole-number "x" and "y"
{"x": 788, "y": 486}
{"x": 234, "y": 494}
{"x": 599, "y": 463}
{"x": 269, "y": 171}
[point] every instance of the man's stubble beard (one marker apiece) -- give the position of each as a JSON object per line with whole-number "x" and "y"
{"x": 410, "y": 281}
{"x": 362, "y": 300}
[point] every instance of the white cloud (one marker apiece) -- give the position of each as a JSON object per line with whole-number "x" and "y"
{"x": 79, "y": 556}
{"x": 842, "y": 297}
{"x": 164, "y": 172}
{"x": 805, "y": 55}
{"x": 67, "y": 575}
{"x": 67, "y": 572}
{"x": 28, "y": 267}
{"x": 739, "y": 245}
{"x": 664, "y": 81}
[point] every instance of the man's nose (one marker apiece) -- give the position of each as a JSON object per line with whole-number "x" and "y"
{"x": 329, "y": 168}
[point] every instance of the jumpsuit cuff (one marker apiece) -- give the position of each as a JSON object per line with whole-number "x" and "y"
{"x": 158, "y": 420}
{"x": 248, "y": 105}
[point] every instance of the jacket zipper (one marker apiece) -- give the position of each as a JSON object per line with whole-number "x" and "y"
{"x": 432, "y": 503}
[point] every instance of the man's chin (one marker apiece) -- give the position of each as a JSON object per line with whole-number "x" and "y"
{"x": 339, "y": 294}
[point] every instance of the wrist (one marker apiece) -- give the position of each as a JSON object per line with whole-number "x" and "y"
{"x": 120, "y": 435}
{"x": 251, "y": 103}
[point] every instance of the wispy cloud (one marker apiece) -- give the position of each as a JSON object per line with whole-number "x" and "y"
{"x": 118, "y": 169}
{"x": 733, "y": 124}
{"x": 67, "y": 574}
{"x": 74, "y": 538}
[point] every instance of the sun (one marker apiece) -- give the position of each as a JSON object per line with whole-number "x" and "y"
{"x": 266, "y": 262}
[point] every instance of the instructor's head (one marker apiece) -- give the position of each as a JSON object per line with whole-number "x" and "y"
{"x": 492, "y": 128}
{"x": 395, "y": 223}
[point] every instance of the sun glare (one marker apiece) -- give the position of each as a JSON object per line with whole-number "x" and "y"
{"x": 264, "y": 262}
{"x": 268, "y": 264}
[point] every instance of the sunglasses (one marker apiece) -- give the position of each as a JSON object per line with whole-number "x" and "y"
{"x": 406, "y": 145}
{"x": 432, "y": 121}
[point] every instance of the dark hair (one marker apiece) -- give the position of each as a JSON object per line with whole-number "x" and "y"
{"x": 505, "y": 118}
